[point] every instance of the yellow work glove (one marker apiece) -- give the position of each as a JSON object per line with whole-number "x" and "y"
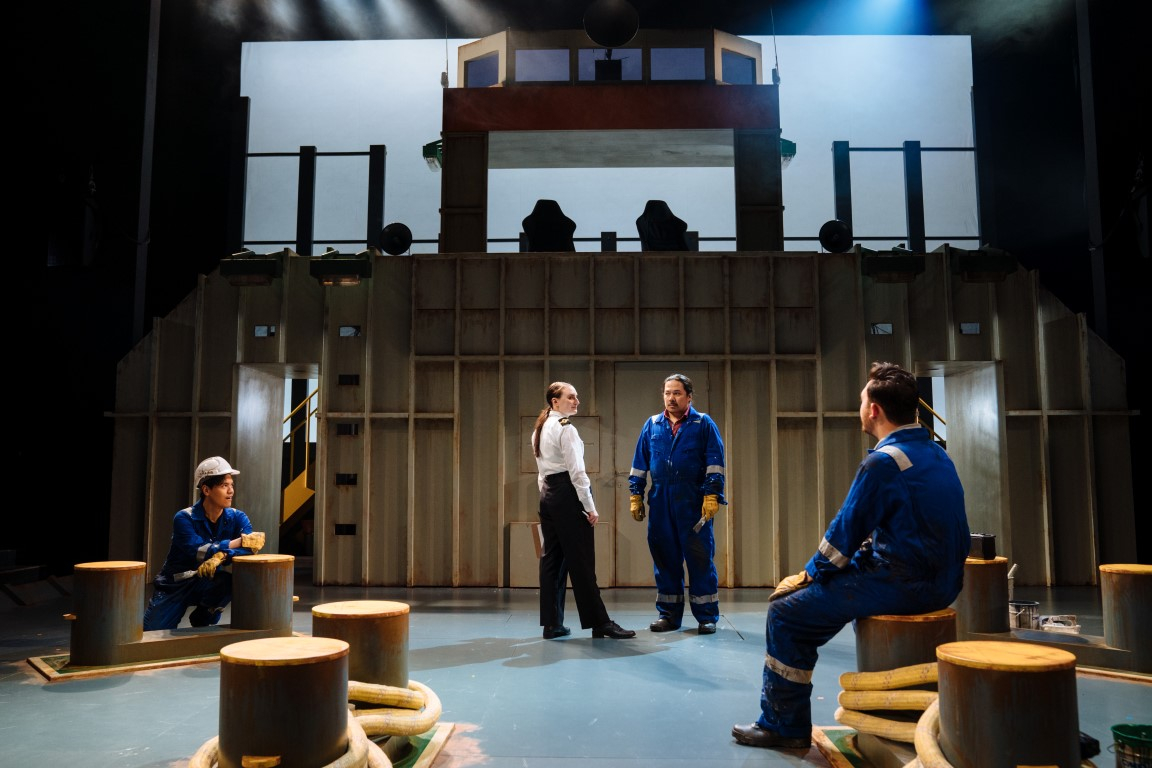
{"x": 253, "y": 541}
{"x": 790, "y": 584}
{"x": 636, "y": 506}
{"x": 711, "y": 506}
{"x": 207, "y": 568}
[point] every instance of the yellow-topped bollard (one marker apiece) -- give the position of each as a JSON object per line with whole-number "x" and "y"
{"x": 1006, "y": 704}
{"x": 377, "y": 633}
{"x": 285, "y": 698}
{"x": 893, "y": 641}
{"x": 1127, "y": 611}
{"x": 262, "y": 591}
{"x": 982, "y": 605}
{"x": 108, "y": 611}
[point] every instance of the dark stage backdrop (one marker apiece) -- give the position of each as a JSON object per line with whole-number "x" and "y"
{"x": 1060, "y": 108}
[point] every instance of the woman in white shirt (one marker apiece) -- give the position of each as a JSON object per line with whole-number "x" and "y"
{"x": 567, "y": 515}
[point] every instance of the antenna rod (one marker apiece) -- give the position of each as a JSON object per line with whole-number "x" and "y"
{"x": 775, "y": 53}
{"x": 444, "y": 74}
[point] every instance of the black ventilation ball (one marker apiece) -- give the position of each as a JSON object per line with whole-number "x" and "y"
{"x": 611, "y": 23}
{"x": 395, "y": 238}
{"x": 836, "y": 236}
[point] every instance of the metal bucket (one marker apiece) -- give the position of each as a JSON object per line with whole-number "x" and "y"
{"x": 1133, "y": 746}
{"x": 1023, "y": 614}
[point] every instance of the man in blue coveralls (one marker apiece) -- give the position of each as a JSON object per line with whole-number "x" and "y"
{"x": 897, "y": 546}
{"x": 205, "y": 538}
{"x": 682, "y": 451}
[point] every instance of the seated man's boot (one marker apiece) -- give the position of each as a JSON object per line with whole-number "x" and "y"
{"x": 755, "y": 736}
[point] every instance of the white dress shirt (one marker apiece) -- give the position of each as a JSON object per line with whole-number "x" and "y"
{"x": 562, "y": 450}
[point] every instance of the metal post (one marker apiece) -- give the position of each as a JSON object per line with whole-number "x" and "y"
{"x": 842, "y": 182}
{"x": 306, "y": 202}
{"x": 377, "y": 163}
{"x": 914, "y": 195}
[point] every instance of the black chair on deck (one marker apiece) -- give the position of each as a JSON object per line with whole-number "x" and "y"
{"x": 660, "y": 229}
{"x": 548, "y": 229}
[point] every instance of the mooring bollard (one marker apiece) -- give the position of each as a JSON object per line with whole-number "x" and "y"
{"x": 894, "y": 641}
{"x": 1127, "y": 611}
{"x": 286, "y": 698}
{"x": 377, "y": 633}
{"x": 1006, "y": 704}
{"x": 108, "y": 611}
{"x": 982, "y": 606}
{"x": 262, "y": 591}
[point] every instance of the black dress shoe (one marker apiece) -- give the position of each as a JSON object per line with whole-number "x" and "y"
{"x": 708, "y": 628}
{"x": 755, "y": 736}
{"x": 551, "y": 633}
{"x": 663, "y": 624}
{"x": 613, "y": 630}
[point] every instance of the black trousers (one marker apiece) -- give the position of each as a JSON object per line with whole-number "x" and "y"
{"x": 569, "y": 552}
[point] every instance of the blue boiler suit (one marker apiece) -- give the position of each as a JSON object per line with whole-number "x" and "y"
{"x": 683, "y": 468}
{"x": 897, "y": 546}
{"x": 177, "y": 587}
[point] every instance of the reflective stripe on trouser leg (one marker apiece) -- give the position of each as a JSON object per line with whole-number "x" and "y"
{"x": 798, "y": 624}
{"x": 703, "y": 581}
{"x": 667, "y": 561}
{"x": 786, "y": 699}
{"x": 706, "y": 608}
{"x": 795, "y": 627}
{"x": 670, "y": 606}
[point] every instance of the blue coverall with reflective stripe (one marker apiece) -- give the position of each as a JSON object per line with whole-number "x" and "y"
{"x": 177, "y": 587}
{"x": 897, "y": 546}
{"x": 683, "y": 468}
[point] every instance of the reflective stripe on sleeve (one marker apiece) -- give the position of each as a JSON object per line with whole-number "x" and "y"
{"x": 834, "y": 556}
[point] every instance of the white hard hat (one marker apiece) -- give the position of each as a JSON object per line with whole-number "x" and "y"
{"x": 210, "y": 467}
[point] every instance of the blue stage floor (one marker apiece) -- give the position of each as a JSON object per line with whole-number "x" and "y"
{"x": 516, "y": 700}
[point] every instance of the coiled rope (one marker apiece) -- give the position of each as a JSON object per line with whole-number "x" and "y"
{"x": 411, "y": 711}
{"x": 881, "y": 690}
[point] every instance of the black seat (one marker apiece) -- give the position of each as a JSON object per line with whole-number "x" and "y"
{"x": 660, "y": 229}
{"x": 548, "y": 229}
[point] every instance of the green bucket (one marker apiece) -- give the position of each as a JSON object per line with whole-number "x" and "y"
{"x": 1133, "y": 745}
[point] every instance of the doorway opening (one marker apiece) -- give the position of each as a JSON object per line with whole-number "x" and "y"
{"x": 298, "y": 505}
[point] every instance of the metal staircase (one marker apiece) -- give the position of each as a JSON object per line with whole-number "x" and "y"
{"x": 928, "y": 423}
{"x": 299, "y": 469}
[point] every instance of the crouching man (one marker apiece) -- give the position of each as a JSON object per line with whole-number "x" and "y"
{"x": 205, "y": 538}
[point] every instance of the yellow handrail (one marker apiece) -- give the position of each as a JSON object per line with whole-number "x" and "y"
{"x": 928, "y": 408}
{"x": 935, "y": 435}
{"x": 292, "y": 437}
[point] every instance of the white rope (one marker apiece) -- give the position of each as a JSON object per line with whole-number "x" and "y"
{"x": 362, "y": 752}
{"x": 927, "y": 739}
{"x": 877, "y": 726}
{"x": 902, "y": 677}
{"x": 401, "y": 722}
{"x": 422, "y": 712}
{"x": 917, "y": 700}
